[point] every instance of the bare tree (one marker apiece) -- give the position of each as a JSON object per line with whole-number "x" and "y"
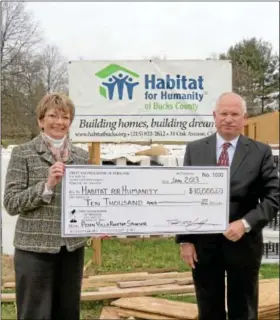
{"x": 19, "y": 32}
{"x": 19, "y": 98}
{"x": 54, "y": 69}
{"x": 20, "y": 38}
{"x": 27, "y": 71}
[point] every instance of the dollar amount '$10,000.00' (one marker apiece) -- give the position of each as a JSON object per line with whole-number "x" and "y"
{"x": 206, "y": 191}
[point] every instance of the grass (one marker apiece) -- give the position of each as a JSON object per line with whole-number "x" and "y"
{"x": 143, "y": 254}
{"x": 139, "y": 254}
{"x": 8, "y": 311}
{"x": 269, "y": 271}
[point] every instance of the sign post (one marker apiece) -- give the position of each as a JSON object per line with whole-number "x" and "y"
{"x": 94, "y": 158}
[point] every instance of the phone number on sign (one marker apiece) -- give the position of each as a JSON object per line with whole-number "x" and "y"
{"x": 157, "y": 133}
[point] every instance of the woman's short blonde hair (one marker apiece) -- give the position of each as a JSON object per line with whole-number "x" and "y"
{"x": 55, "y": 100}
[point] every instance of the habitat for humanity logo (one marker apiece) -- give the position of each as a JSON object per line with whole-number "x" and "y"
{"x": 115, "y": 80}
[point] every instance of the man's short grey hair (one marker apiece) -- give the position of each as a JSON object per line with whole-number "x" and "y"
{"x": 243, "y": 102}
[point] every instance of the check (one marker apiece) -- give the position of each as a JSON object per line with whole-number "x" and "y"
{"x": 144, "y": 200}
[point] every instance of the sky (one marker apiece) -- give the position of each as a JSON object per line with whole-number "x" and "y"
{"x": 141, "y": 30}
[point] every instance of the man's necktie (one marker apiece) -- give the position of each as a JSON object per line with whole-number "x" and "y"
{"x": 224, "y": 158}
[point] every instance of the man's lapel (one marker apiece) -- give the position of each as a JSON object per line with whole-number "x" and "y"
{"x": 239, "y": 154}
{"x": 209, "y": 153}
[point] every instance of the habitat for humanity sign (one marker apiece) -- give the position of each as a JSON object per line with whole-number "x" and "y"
{"x": 146, "y": 100}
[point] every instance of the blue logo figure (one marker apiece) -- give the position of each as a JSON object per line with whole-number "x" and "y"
{"x": 117, "y": 82}
{"x": 111, "y": 87}
{"x": 120, "y": 84}
{"x": 129, "y": 86}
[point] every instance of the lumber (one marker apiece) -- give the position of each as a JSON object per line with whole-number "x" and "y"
{"x": 268, "y": 292}
{"x": 8, "y": 279}
{"x": 86, "y": 284}
{"x": 92, "y": 284}
{"x": 111, "y": 280}
{"x": 9, "y": 285}
{"x": 131, "y": 284}
{"x": 138, "y": 276}
{"x": 164, "y": 307}
{"x": 272, "y": 307}
{"x": 8, "y": 297}
{"x": 130, "y": 292}
{"x": 168, "y": 275}
{"x": 88, "y": 264}
{"x": 142, "y": 315}
{"x": 119, "y": 277}
{"x": 129, "y": 276}
{"x": 184, "y": 281}
{"x": 110, "y": 288}
{"x": 161, "y": 270}
{"x": 161, "y": 286}
{"x": 268, "y": 299}
{"x": 109, "y": 313}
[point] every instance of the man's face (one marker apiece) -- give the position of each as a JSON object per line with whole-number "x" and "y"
{"x": 229, "y": 117}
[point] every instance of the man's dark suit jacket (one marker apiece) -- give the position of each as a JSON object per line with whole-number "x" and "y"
{"x": 254, "y": 183}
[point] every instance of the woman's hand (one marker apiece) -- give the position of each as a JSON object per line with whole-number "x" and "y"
{"x": 56, "y": 172}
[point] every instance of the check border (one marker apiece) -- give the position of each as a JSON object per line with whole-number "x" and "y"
{"x": 99, "y": 167}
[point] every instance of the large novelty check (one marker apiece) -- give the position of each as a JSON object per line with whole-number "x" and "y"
{"x": 144, "y": 200}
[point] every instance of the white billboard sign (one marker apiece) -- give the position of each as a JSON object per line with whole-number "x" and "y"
{"x": 145, "y": 100}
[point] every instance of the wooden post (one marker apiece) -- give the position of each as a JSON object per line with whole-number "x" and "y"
{"x": 94, "y": 152}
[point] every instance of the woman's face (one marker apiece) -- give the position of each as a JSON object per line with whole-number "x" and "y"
{"x": 55, "y": 123}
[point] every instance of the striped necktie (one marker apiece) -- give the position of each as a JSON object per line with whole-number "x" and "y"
{"x": 224, "y": 158}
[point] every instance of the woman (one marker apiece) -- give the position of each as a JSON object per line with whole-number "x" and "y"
{"x": 48, "y": 268}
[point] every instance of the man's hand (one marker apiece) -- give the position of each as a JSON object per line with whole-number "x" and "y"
{"x": 188, "y": 254}
{"x": 235, "y": 231}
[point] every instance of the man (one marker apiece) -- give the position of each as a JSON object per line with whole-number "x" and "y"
{"x": 254, "y": 201}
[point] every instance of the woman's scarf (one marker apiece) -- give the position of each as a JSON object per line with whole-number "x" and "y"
{"x": 60, "y": 154}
